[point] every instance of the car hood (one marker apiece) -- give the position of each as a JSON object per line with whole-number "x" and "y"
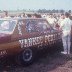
{"x": 5, "y": 38}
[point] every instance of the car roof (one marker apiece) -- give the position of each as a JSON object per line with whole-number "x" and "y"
{"x": 22, "y": 19}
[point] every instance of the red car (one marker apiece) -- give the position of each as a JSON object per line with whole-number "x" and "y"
{"x": 23, "y": 37}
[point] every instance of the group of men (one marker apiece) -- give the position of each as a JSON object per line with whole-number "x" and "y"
{"x": 64, "y": 24}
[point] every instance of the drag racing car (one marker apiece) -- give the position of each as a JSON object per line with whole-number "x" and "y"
{"x": 23, "y": 37}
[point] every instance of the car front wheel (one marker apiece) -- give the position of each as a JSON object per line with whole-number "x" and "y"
{"x": 26, "y": 57}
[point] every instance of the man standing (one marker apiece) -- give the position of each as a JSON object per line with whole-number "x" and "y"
{"x": 6, "y": 16}
{"x": 51, "y": 20}
{"x": 62, "y": 17}
{"x": 66, "y": 27}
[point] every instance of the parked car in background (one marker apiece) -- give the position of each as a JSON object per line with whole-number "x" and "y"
{"x": 23, "y": 37}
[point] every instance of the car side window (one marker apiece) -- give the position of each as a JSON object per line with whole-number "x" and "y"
{"x": 31, "y": 26}
{"x": 37, "y": 26}
{"x": 43, "y": 26}
{"x": 7, "y": 25}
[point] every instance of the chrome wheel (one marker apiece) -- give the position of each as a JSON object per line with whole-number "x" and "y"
{"x": 27, "y": 55}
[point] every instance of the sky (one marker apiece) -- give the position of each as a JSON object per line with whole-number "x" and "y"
{"x": 35, "y": 4}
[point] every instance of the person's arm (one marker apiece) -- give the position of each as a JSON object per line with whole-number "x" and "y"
{"x": 62, "y": 24}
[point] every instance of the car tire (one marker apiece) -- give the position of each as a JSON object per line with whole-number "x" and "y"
{"x": 26, "y": 57}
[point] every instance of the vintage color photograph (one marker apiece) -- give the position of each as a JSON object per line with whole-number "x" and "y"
{"x": 35, "y": 35}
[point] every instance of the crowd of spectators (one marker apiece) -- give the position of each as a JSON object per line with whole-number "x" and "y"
{"x": 58, "y": 21}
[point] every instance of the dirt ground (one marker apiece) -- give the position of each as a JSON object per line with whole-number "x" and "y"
{"x": 49, "y": 63}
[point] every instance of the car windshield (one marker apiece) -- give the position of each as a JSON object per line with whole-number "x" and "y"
{"x": 7, "y": 26}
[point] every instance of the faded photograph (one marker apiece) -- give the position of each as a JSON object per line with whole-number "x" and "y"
{"x": 35, "y": 35}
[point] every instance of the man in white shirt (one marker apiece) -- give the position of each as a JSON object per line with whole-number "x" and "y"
{"x": 66, "y": 27}
{"x": 6, "y": 16}
{"x": 51, "y": 20}
{"x": 62, "y": 17}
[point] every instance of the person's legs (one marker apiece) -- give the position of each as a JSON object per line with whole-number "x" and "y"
{"x": 64, "y": 40}
{"x": 69, "y": 43}
{"x": 66, "y": 43}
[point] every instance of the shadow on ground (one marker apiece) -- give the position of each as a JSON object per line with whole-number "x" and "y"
{"x": 46, "y": 63}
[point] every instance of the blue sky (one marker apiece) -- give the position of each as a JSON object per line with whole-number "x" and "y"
{"x": 35, "y": 4}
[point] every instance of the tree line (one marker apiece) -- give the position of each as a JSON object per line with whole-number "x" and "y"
{"x": 52, "y": 11}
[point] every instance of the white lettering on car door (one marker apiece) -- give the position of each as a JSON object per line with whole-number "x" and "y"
{"x": 19, "y": 28}
{"x": 31, "y": 41}
{"x": 21, "y": 42}
{"x": 49, "y": 39}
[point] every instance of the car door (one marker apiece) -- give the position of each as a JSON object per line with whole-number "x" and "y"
{"x": 33, "y": 33}
{"x": 45, "y": 31}
{"x": 50, "y": 35}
